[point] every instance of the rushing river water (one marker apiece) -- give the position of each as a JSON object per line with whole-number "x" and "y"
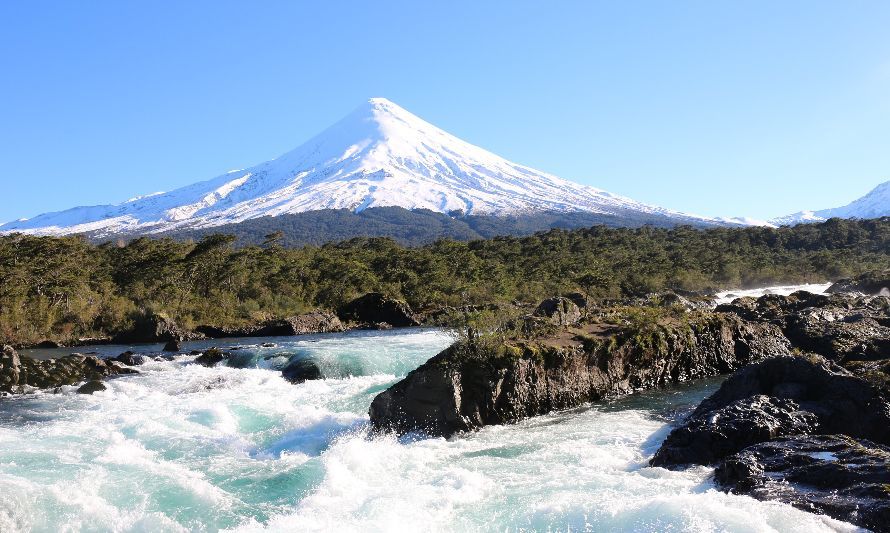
{"x": 181, "y": 447}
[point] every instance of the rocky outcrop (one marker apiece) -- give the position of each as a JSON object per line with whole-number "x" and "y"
{"x": 172, "y": 346}
{"x": 874, "y": 283}
{"x": 783, "y": 396}
{"x": 709, "y": 437}
{"x": 559, "y": 311}
{"x": 842, "y": 327}
{"x": 154, "y": 327}
{"x": 374, "y": 307}
{"x": 846, "y": 478}
{"x": 314, "y": 322}
{"x": 468, "y": 385}
{"x": 301, "y": 370}
{"x": 19, "y": 373}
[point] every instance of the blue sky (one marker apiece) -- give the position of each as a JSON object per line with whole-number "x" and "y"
{"x": 718, "y": 108}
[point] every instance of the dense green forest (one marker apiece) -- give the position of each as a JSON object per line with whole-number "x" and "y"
{"x": 67, "y": 287}
{"x": 413, "y": 227}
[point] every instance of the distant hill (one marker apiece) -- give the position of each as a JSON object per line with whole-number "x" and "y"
{"x": 410, "y": 227}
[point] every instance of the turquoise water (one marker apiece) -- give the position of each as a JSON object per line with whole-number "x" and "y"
{"x": 181, "y": 447}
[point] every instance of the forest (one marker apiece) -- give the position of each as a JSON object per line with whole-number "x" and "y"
{"x": 67, "y": 287}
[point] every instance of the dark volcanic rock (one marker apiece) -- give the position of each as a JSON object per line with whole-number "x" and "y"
{"x": 301, "y": 370}
{"x": 172, "y": 346}
{"x": 374, "y": 308}
{"x": 713, "y": 435}
{"x": 869, "y": 283}
{"x": 91, "y": 386}
{"x": 559, "y": 311}
{"x": 842, "y": 402}
{"x": 841, "y": 327}
{"x": 211, "y": 357}
{"x": 154, "y": 327}
{"x": 846, "y": 478}
{"x": 129, "y": 358}
{"x": 314, "y": 322}
{"x": 48, "y": 344}
{"x": 17, "y": 372}
{"x": 466, "y": 387}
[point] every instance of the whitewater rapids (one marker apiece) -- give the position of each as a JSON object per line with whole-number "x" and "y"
{"x": 181, "y": 447}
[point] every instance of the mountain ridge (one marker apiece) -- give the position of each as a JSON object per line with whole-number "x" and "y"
{"x": 875, "y": 204}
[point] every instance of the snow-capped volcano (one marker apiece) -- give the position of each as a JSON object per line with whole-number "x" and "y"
{"x": 875, "y": 204}
{"x": 379, "y": 155}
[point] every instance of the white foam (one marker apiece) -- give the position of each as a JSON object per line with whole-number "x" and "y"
{"x": 728, "y": 296}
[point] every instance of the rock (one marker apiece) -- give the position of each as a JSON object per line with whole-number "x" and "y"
{"x": 577, "y": 298}
{"x": 154, "y": 327}
{"x": 10, "y": 369}
{"x": 713, "y": 435}
{"x": 374, "y": 308}
{"x": 845, "y": 478}
{"x": 842, "y": 402}
{"x": 469, "y": 386}
{"x": 48, "y": 344}
{"x": 18, "y": 372}
{"x": 172, "y": 346}
{"x": 211, "y": 357}
{"x": 841, "y": 327}
{"x": 301, "y": 370}
{"x": 313, "y": 322}
{"x": 873, "y": 283}
{"x": 91, "y": 386}
{"x": 129, "y": 358}
{"x": 559, "y": 311}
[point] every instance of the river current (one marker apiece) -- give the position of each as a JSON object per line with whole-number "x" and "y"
{"x": 181, "y": 447}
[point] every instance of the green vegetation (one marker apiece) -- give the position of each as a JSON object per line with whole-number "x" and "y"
{"x": 64, "y": 288}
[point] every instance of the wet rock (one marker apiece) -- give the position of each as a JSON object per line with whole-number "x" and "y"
{"x": 211, "y": 357}
{"x": 468, "y": 386}
{"x": 129, "y": 358}
{"x": 873, "y": 283}
{"x": 374, "y": 308}
{"x": 17, "y": 373}
{"x": 301, "y": 370}
{"x": 559, "y": 311}
{"x": 172, "y": 346}
{"x": 845, "y": 478}
{"x": 91, "y": 386}
{"x": 842, "y": 402}
{"x": 713, "y": 435}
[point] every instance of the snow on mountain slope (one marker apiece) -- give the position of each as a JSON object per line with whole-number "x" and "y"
{"x": 379, "y": 155}
{"x": 875, "y": 204}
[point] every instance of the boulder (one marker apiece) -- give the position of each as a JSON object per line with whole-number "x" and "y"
{"x": 374, "y": 308}
{"x": 91, "y": 386}
{"x": 10, "y": 369}
{"x": 172, "y": 346}
{"x": 559, "y": 311}
{"x": 211, "y": 357}
{"x": 844, "y": 403}
{"x": 154, "y": 327}
{"x": 48, "y": 344}
{"x": 301, "y": 370}
{"x": 845, "y": 478}
{"x": 713, "y": 435}
{"x": 129, "y": 358}
{"x": 477, "y": 383}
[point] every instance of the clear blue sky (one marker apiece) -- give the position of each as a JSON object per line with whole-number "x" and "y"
{"x": 718, "y": 108}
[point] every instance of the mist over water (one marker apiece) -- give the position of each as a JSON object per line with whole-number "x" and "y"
{"x": 181, "y": 447}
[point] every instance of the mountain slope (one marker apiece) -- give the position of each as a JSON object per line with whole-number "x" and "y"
{"x": 379, "y": 155}
{"x": 875, "y": 204}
